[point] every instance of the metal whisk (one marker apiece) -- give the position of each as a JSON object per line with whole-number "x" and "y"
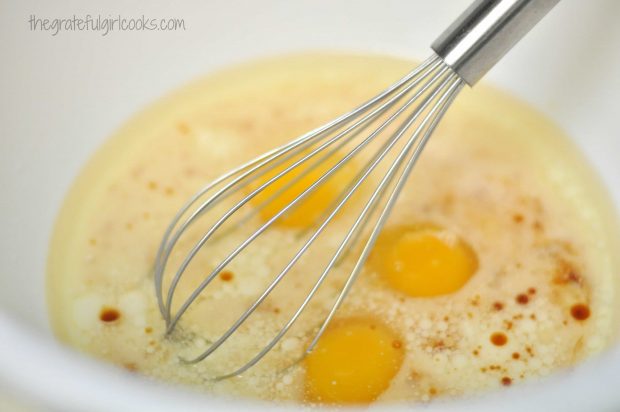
{"x": 399, "y": 121}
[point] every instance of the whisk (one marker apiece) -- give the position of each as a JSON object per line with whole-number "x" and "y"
{"x": 399, "y": 121}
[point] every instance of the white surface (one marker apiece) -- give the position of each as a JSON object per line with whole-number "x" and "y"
{"x": 61, "y": 96}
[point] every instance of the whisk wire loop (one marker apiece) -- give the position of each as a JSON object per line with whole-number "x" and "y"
{"x": 356, "y": 228}
{"x": 172, "y": 236}
{"x": 464, "y": 52}
{"x": 430, "y": 88}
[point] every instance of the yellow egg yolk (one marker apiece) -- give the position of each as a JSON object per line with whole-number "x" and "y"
{"x": 353, "y": 362}
{"x": 423, "y": 261}
{"x": 286, "y": 188}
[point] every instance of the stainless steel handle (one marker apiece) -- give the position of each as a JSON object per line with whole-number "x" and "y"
{"x": 484, "y": 32}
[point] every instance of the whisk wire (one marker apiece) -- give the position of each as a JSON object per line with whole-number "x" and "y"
{"x": 440, "y": 109}
{"x": 379, "y": 192}
{"x": 259, "y": 161}
{"x": 432, "y": 86}
{"x": 286, "y": 208}
{"x": 375, "y": 161}
{"x": 246, "y": 199}
{"x": 168, "y": 243}
{"x": 464, "y": 52}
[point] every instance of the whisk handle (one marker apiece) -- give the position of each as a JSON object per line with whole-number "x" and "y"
{"x": 484, "y": 32}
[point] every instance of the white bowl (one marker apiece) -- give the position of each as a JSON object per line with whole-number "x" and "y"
{"x": 64, "y": 94}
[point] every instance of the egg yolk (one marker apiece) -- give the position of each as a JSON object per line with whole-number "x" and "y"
{"x": 308, "y": 210}
{"x": 353, "y": 362}
{"x": 423, "y": 261}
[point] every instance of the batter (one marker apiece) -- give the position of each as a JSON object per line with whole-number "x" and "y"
{"x": 498, "y": 264}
